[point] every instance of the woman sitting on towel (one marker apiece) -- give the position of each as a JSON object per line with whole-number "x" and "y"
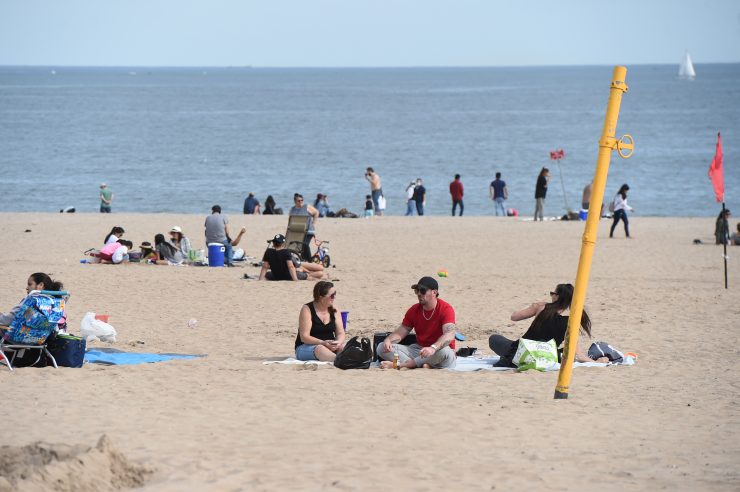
{"x": 550, "y": 323}
{"x": 319, "y": 335}
{"x": 37, "y": 281}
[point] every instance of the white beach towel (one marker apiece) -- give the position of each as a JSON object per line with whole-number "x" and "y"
{"x": 294, "y": 361}
{"x": 469, "y": 364}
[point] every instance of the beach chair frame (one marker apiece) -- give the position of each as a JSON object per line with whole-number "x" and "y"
{"x": 42, "y": 347}
{"x": 295, "y": 235}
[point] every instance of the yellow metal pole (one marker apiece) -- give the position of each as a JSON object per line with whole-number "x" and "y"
{"x": 606, "y": 145}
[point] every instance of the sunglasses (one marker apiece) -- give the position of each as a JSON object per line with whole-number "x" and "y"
{"x": 421, "y": 290}
{"x": 552, "y": 293}
{"x": 332, "y": 295}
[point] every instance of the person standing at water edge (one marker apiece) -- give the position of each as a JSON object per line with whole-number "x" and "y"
{"x": 251, "y": 205}
{"x": 620, "y": 210}
{"x": 376, "y": 189}
{"x": 410, "y": 203}
{"x": 433, "y": 320}
{"x": 420, "y": 196}
{"x": 301, "y": 208}
{"x": 499, "y": 194}
{"x": 586, "y": 198}
{"x": 106, "y": 198}
{"x": 217, "y": 231}
{"x": 457, "y": 191}
{"x": 540, "y": 192}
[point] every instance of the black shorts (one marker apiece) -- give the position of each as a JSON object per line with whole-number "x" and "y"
{"x": 300, "y": 275}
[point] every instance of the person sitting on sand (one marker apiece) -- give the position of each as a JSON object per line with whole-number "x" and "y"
{"x": 319, "y": 337}
{"x": 271, "y": 207}
{"x": 179, "y": 241}
{"x": 736, "y": 236}
{"x": 722, "y": 227}
{"x": 147, "y": 251}
{"x": 115, "y": 252}
{"x": 277, "y": 263}
{"x": 114, "y": 235}
{"x": 550, "y": 323}
{"x": 167, "y": 253}
{"x": 433, "y": 320}
{"x": 37, "y": 281}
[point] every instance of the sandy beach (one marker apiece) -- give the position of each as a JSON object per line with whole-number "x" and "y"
{"x": 228, "y": 422}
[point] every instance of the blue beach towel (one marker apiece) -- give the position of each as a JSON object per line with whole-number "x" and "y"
{"x": 114, "y": 357}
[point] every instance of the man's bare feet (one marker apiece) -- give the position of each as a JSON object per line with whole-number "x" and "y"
{"x": 426, "y": 366}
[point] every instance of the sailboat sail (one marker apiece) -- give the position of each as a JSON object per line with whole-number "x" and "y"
{"x": 686, "y": 70}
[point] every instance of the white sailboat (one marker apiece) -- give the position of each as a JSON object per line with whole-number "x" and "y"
{"x": 686, "y": 70}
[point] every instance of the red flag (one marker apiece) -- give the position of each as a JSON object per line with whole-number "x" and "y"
{"x": 716, "y": 174}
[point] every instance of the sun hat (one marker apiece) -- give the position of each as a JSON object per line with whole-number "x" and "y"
{"x": 427, "y": 282}
{"x": 176, "y": 229}
{"x": 278, "y": 239}
{"x": 146, "y": 245}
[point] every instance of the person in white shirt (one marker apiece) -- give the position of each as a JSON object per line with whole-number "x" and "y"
{"x": 620, "y": 210}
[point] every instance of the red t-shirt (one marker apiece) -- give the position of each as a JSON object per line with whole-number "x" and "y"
{"x": 429, "y": 330}
{"x": 456, "y": 190}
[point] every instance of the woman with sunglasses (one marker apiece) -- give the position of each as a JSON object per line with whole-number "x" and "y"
{"x": 550, "y": 323}
{"x": 319, "y": 336}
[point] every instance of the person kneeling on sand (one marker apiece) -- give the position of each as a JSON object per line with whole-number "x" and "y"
{"x": 277, "y": 263}
{"x": 115, "y": 252}
{"x": 319, "y": 337}
{"x": 433, "y": 320}
{"x": 550, "y": 323}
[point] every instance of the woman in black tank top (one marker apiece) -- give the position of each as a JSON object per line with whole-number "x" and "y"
{"x": 319, "y": 336}
{"x": 550, "y": 323}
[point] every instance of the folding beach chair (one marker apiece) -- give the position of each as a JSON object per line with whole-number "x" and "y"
{"x": 31, "y": 328}
{"x": 295, "y": 236}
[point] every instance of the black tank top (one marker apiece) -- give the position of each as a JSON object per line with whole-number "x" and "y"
{"x": 319, "y": 329}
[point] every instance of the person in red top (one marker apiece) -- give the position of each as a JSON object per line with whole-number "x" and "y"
{"x": 456, "y": 190}
{"x": 433, "y": 320}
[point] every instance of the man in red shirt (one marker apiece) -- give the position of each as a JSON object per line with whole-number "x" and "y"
{"x": 433, "y": 320}
{"x": 456, "y": 190}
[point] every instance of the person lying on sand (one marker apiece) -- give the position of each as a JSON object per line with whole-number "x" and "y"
{"x": 550, "y": 323}
{"x": 433, "y": 320}
{"x": 319, "y": 337}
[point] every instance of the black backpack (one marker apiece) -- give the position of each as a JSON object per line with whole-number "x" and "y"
{"x": 356, "y": 354}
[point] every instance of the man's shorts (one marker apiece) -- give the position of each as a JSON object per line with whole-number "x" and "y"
{"x": 300, "y": 275}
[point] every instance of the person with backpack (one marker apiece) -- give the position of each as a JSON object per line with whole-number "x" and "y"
{"x": 619, "y": 207}
{"x": 319, "y": 336}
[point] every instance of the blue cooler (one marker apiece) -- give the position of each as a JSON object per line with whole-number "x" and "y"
{"x": 583, "y": 214}
{"x": 216, "y": 254}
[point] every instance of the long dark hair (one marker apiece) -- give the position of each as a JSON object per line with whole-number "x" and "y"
{"x": 117, "y": 230}
{"x": 565, "y": 296}
{"x": 159, "y": 239}
{"x": 49, "y": 284}
{"x": 543, "y": 171}
{"x": 322, "y": 288}
{"x": 623, "y": 191}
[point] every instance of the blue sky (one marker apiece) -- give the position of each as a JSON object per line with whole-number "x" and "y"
{"x": 366, "y": 33}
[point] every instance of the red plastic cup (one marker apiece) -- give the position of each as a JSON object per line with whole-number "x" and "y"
{"x": 102, "y": 317}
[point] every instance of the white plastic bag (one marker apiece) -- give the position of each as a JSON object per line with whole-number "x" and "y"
{"x": 94, "y": 329}
{"x": 381, "y": 202}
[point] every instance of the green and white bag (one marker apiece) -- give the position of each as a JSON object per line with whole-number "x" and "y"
{"x": 531, "y": 354}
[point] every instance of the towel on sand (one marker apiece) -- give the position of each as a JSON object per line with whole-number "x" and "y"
{"x": 294, "y": 361}
{"x": 467, "y": 364}
{"x": 115, "y": 357}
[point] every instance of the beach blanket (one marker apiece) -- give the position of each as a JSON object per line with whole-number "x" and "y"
{"x": 468, "y": 364}
{"x": 115, "y": 357}
{"x": 294, "y": 361}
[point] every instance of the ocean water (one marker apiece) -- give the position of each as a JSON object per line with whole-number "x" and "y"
{"x": 181, "y": 140}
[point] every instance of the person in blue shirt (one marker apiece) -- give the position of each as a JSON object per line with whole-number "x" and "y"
{"x": 499, "y": 193}
{"x": 251, "y": 205}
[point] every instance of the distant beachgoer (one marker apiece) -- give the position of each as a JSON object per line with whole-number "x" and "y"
{"x": 433, "y": 321}
{"x": 456, "y": 192}
{"x": 550, "y": 323}
{"x": 36, "y": 281}
{"x": 301, "y": 209}
{"x": 369, "y": 206}
{"x": 499, "y": 194}
{"x": 620, "y": 210}
{"x": 722, "y": 227}
{"x": 420, "y": 196}
{"x": 179, "y": 241}
{"x": 376, "y": 189}
{"x": 322, "y": 205}
{"x": 217, "y": 231}
{"x": 251, "y": 205}
{"x": 319, "y": 336}
{"x": 115, "y": 252}
{"x": 114, "y": 235}
{"x": 277, "y": 262}
{"x": 736, "y": 236}
{"x": 270, "y": 207}
{"x": 586, "y": 198}
{"x": 410, "y": 203}
{"x": 235, "y": 242}
{"x": 540, "y": 192}
{"x": 106, "y": 198}
{"x": 147, "y": 251}
{"x": 167, "y": 253}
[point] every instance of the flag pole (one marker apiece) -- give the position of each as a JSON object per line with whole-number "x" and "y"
{"x": 724, "y": 238}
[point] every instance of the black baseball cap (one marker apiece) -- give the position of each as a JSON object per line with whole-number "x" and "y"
{"x": 278, "y": 239}
{"x": 427, "y": 282}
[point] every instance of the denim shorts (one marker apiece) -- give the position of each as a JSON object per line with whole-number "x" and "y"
{"x": 306, "y": 352}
